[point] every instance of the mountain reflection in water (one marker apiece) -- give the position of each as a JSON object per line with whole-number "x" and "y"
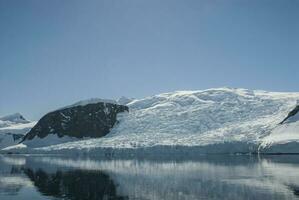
{"x": 75, "y": 184}
{"x": 208, "y": 177}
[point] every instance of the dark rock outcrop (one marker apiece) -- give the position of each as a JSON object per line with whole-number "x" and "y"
{"x": 292, "y": 113}
{"x": 91, "y": 120}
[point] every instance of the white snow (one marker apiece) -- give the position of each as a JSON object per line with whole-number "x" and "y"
{"x": 221, "y": 116}
{"x": 282, "y": 137}
{"x": 124, "y": 100}
{"x": 17, "y": 128}
{"x": 11, "y": 128}
{"x": 13, "y": 118}
{"x": 89, "y": 101}
{"x": 15, "y": 147}
{"x": 51, "y": 139}
{"x": 121, "y": 101}
{"x": 282, "y": 134}
{"x": 192, "y": 118}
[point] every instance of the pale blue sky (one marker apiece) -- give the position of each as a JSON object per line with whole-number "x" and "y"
{"x": 56, "y": 52}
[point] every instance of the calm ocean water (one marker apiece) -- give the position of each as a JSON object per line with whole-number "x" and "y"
{"x": 206, "y": 177}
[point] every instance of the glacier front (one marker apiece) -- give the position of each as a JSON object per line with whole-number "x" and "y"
{"x": 219, "y": 120}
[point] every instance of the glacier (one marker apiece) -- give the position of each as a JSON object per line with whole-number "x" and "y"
{"x": 283, "y": 138}
{"x": 217, "y": 120}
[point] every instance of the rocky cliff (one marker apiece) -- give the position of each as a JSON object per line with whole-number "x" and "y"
{"x": 91, "y": 120}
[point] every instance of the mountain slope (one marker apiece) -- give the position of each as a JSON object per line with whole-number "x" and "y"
{"x": 220, "y": 120}
{"x": 285, "y": 137}
{"x": 293, "y": 116}
{"x": 13, "y": 128}
{"x": 12, "y": 119}
{"x": 91, "y": 119}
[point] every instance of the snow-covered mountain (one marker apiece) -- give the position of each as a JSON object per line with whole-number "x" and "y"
{"x": 87, "y": 119}
{"x": 220, "y": 120}
{"x": 13, "y": 128}
{"x": 12, "y": 119}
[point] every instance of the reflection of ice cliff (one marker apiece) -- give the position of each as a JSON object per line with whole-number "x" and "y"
{"x": 11, "y": 178}
{"x": 214, "y": 177}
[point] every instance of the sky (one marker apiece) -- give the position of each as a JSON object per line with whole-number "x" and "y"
{"x": 56, "y": 52}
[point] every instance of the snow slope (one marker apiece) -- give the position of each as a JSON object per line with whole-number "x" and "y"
{"x": 284, "y": 138}
{"x": 294, "y": 118}
{"x": 220, "y": 120}
{"x": 89, "y": 101}
{"x": 120, "y": 101}
{"x": 12, "y": 128}
{"x": 13, "y": 119}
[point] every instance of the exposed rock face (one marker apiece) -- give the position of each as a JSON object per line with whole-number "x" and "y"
{"x": 91, "y": 120}
{"x": 291, "y": 114}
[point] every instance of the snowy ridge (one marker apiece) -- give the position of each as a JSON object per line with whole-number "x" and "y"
{"x": 121, "y": 101}
{"x": 221, "y": 120}
{"x": 14, "y": 119}
{"x": 17, "y": 128}
{"x": 13, "y": 128}
{"x": 89, "y": 101}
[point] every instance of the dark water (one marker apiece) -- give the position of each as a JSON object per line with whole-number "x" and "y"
{"x": 212, "y": 177}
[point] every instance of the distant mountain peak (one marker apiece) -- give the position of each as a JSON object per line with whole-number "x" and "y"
{"x": 15, "y": 118}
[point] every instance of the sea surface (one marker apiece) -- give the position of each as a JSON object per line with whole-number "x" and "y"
{"x": 205, "y": 177}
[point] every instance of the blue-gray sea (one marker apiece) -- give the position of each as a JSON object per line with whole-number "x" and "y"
{"x": 205, "y": 177}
